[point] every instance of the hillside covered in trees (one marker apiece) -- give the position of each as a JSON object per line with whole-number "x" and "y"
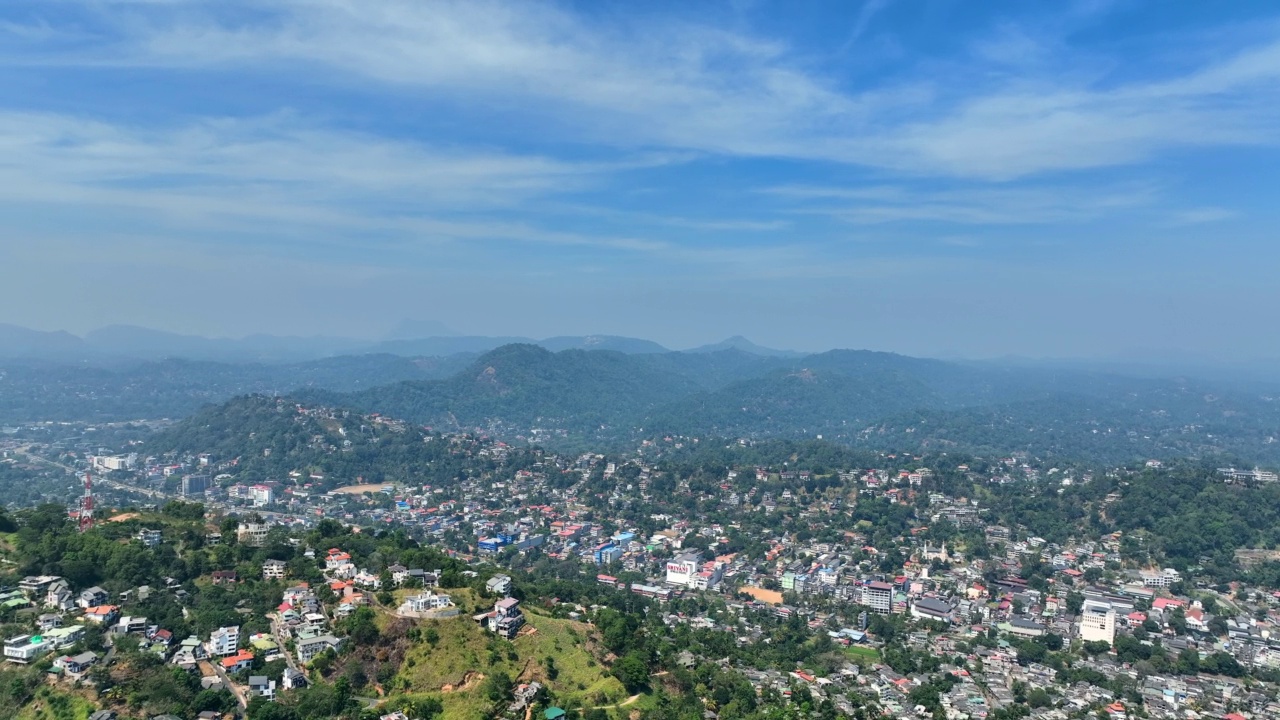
{"x": 865, "y": 399}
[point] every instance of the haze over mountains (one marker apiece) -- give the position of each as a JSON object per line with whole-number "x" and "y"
{"x": 409, "y": 338}
{"x": 621, "y": 390}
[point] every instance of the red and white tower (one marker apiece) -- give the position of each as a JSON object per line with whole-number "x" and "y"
{"x": 86, "y": 504}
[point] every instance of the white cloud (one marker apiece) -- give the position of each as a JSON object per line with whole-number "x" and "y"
{"x": 284, "y": 179}
{"x": 1196, "y": 216}
{"x": 279, "y": 152}
{"x": 677, "y": 85}
{"x": 971, "y": 205}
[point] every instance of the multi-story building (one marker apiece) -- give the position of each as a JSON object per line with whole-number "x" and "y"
{"x": 682, "y": 568}
{"x": 878, "y": 596}
{"x": 498, "y": 584}
{"x": 193, "y": 485}
{"x": 25, "y": 648}
{"x": 148, "y": 537}
{"x": 274, "y": 569}
{"x": 91, "y": 597}
{"x": 76, "y": 664}
{"x": 224, "y": 641}
{"x": 64, "y": 637}
{"x": 36, "y": 585}
{"x": 309, "y": 647}
{"x": 425, "y": 601}
{"x": 606, "y": 553}
{"x": 262, "y": 495}
{"x": 506, "y": 619}
{"x": 115, "y": 462}
{"x": 261, "y": 686}
{"x": 1164, "y": 578}
{"x": 252, "y": 534}
{"x": 1098, "y": 622}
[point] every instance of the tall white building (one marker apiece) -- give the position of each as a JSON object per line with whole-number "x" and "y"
{"x": 262, "y": 495}
{"x": 224, "y": 641}
{"x": 1098, "y": 622}
{"x": 682, "y": 568}
{"x": 878, "y": 596}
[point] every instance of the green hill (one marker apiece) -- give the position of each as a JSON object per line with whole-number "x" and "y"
{"x": 872, "y": 400}
{"x": 561, "y": 654}
{"x": 268, "y": 437}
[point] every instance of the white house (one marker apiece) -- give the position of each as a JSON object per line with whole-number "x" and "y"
{"x": 425, "y": 601}
{"x": 25, "y": 648}
{"x": 498, "y": 584}
{"x": 92, "y": 597}
{"x": 76, "y": 664}
{"x": 260, "y": 686}
{"x": 224, "y": 641}
{"x": 308, "y": 648}
{"x": 366, "y": 579}
{"x": 274, "y": 569}
{"x": 59, "y": 596}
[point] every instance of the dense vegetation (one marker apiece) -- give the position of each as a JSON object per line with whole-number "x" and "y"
{"x": 268, "y": 437}
{"x": 23, "y": 484}
{"x": 577, "y": 397}
{"x": 866, "y": 399}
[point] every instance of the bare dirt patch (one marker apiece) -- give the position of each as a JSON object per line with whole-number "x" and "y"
{"x": 360, "y": 489}
{"x": 469, "y": 681}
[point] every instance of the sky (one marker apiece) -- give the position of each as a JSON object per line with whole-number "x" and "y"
{"x": 956, "y": 179}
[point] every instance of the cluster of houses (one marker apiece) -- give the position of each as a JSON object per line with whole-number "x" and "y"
{"x": 560, "y": 507}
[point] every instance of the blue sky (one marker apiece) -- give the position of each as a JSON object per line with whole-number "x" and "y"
{"x": 1082, "y": 179}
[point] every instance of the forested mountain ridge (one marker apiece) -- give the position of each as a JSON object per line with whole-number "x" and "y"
{"x": 862, "y": 398}
{"x": 264, "y": 438}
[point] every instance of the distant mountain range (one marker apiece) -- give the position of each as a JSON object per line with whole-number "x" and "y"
{"x": 591, "y": 398}
{"x": 872, "y": 399}
{"x": 409, "y": 339}
{"x": 737, "y": 342}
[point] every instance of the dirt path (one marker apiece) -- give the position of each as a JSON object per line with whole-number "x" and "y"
{"x": 624, "y": 703}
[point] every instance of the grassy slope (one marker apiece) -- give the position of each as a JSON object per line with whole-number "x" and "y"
{"x": 53, "y": 704}
{"x": 463, "y": 654}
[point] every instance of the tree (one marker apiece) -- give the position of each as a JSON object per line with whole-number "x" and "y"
{"x": 1051, "y": 641}
{"x": 1188, "y": 662}
{"x": 632, "y": 671}
{"x": 261, "y": 708}
{"x": 1039, "y": 698}
{"x": 361, "y": 627}
{"x": 498, "y": 686}
{"x": 424, "y": 708}
{"x": 1031, "y": 652}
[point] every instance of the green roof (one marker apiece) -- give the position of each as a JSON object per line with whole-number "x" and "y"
{"x": 553, "y": 712}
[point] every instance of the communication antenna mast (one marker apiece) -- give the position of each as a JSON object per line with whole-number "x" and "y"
{"x": 86, "y": 504}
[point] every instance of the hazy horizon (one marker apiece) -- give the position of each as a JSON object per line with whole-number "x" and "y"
{"x": 1092, "y": 179}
